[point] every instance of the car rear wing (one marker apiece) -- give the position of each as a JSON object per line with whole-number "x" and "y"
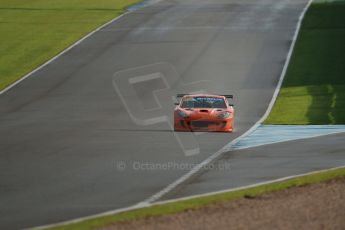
{"x": 228, "y": 96}
{"x": 182, "y": 95}
{"x": 185, "y": 94}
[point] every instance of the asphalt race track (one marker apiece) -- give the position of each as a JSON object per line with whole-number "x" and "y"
{"x": 67, "y": 142}
{"x": 265, "y": 163}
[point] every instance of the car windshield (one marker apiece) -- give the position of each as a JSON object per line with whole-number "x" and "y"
{"x": 203, "y": 102}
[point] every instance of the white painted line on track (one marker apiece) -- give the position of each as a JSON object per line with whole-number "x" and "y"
{"x": 272, "y": 134}
{"x": 245, "y": 187}
{"x": 283, "y": 73}
{"x": 60, "y": 54}
{"x": 135, "y": 207}
{"x": 72, "y": 46}
{"x": 228, "y": 147}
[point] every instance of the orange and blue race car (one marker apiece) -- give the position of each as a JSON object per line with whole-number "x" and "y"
{"x": 204, "y": 112}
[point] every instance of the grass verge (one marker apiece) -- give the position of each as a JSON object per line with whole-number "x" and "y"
{"x": 34, "y": 31}
{"x": 194, "y": 203}
{"x": 313, "y": 91}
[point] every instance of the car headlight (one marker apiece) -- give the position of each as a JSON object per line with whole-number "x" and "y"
{"x": 182, "y": 114}
{"x": 224, "y": 115}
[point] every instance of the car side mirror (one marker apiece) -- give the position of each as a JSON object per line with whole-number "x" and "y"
{"x": 231, "y": 105}
{"x": 176, "y": 103}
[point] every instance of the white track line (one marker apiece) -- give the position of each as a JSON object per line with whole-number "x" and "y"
{"x": 182, "y": 199}
{"x": 61, "y": 53}
{"x": 294, "y": 135}
{"x": 282, "y": 75}
{"x": 245, "y": 187}
{"x": 149, "y": 202}
{"x": 227, "y": 148}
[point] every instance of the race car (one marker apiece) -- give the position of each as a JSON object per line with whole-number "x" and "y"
{"x": 204, "y": 112}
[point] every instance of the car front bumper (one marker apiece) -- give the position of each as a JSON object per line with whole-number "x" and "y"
{"x": 186, "y": 125}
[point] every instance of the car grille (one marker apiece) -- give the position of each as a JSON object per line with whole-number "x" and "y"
{"x": 202, "y": 124}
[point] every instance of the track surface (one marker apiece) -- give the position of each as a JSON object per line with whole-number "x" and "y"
{"x": 264, "y": 163}
{"x": 64, "y": 129}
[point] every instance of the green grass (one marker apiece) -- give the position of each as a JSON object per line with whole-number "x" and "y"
{"x": 199, "y": 202}
{"x": 33, "y": 31}
{"x": 313, "y": 91}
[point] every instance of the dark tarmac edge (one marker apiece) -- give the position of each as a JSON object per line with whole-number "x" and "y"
{"x": 315, "y": 200}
